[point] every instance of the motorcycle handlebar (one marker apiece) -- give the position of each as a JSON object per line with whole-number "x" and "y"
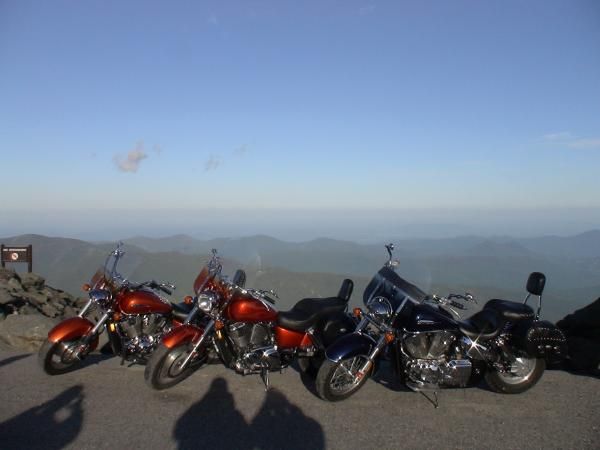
{"x": 456, "y": 304}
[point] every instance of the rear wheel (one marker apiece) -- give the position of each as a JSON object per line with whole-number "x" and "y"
{"x": 339, "y": 380}
{"x": 164, "y": 367}
{"x": 525, "y": 371}
{"x": 60, "y": 357}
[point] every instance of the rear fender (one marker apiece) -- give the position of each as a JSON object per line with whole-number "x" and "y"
{"x": 71, "y": 329}
{"x": 334, "y": 327}
{"x": 182, "y": 334}
{"x": 350, "y": 345}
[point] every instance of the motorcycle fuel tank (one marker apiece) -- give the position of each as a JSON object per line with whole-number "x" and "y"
{"x": 427, "y": 318}
{"x": 142, "y": 302}
{"x": 245, "y": 308}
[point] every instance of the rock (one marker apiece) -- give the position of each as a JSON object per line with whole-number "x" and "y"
{"x": 50, "y": 311}
{"x": 14, "y": 285}
{"x": 35, "y": 298}
{"x": 26, "y": 332}
{"x": 5, "y": 296}
{"x": 32, "y": 280}
{"x": 81, "y": 302}
{"x": 7, "y": 274}
{"x": 582, "y": 329}
{"x": 69, "y": 312}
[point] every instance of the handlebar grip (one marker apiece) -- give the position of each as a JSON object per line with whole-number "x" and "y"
{"x": 457, "y": 305}
{"x": 165, "y": 290}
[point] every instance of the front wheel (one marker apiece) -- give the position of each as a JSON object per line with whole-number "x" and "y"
{"x": 164, "y": 367}
{"x": 60, "y": 357}
{"x": 339, "y": 380}
{"x": 523, "y": 373}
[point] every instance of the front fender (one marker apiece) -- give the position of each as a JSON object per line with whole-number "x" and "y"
{"x": 350, "y": 345}
{"x": 182, "y": 334}
{"x": 70, "y": 329}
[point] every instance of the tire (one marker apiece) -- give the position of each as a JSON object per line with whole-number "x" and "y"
{"x": 310, "y": 366}
{"x": 54, "y": 359}
{"x": 162, "y": 372}
{"x": 527, "y": 371}
{"x": 332, "y": 373}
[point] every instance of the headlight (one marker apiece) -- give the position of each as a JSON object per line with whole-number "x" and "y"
{"x": 206, "y": 302}
{"x": 380, "y": 308}
{"x": 100, "y": 296}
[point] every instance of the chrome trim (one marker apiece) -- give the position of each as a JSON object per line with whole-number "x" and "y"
{"x": 207, "y": 330}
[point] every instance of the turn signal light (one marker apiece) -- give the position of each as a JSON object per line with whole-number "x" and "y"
{"x": 357, "y": 312}
{"x": 86, "y": 287}
{"x": 219, "y": 325}
{"x": 188, "y": 299}
{"x": 389, "y": 337}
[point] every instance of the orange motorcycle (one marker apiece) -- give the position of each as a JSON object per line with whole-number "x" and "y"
{"x": 247, "y": 333}
{"x": 135, "y": 316}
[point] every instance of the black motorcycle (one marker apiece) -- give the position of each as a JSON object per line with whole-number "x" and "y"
{"x": 429, "y": 348}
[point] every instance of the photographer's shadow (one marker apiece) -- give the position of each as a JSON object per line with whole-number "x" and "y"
{"x": 51, "y": 425}
{"x": 215, "y": 422}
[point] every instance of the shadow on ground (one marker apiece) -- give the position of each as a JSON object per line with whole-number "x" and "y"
{"x": 12, "y": 359}
{"x": 51, "y": 425}
{"x": 214, "y": 422}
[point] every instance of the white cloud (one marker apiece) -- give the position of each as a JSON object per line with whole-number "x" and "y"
{"x": 555, "y": 137}
{"x": 213, "y": 20}
{"x": 584, "y": 143}
{"x": 568, "y": 139}
{"x": 212, "y": 163}
{"x": 133, "y": 160}
{"x": 241, "y": 150}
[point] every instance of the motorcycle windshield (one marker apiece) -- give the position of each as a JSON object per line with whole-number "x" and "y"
{"x": 201, "y": 280}
{"x": 101, "y": 280}
{"x": 387, "y": 283}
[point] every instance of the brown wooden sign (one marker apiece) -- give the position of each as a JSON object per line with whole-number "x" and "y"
{"x": 17, "y": 254}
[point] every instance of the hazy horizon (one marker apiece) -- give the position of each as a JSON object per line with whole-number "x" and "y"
{"x": 366, "y": 226}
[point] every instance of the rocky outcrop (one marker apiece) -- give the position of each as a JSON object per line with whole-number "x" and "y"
{"x": 29, "y": 309}
{"x": 582, "y": 329}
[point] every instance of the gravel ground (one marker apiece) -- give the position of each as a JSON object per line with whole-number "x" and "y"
{"x": 105, "y": 405}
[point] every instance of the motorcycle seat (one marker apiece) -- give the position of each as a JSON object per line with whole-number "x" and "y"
{"x": 511, "y": 311}
{"x": 181, "y": 310}
{"x": 308, "y": 311}
{"x": 483, "y": 325}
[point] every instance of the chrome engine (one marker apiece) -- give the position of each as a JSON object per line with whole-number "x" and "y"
{"x": 254, "y": 347}
{"x": 141, "y": 333}
{"x": 435, "y": 359}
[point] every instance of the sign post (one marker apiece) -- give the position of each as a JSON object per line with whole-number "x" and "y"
{"x": 17, "y": 254}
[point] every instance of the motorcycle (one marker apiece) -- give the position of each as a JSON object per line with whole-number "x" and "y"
{"x": 134, "y": 315}
{"x": 245, "y": 331}
{"x": 429, "y": 348}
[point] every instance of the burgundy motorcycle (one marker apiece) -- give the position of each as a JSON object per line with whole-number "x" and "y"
{"x": 247, "y": 333}
{"x": 134, "y": 315}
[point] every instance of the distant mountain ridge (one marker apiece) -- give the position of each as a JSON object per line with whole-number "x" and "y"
{"x": 489, "y": 267}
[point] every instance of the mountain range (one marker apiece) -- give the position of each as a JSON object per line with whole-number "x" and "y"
{"x": 488, "y": 267}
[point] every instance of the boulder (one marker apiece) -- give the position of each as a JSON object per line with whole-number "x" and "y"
{"x": 582, "y": 329}
{"x": 26, "y": 332}
{"x": 5, "y": 296}
{"x": 7, "y": 274}
{"x": 32, "y": 280}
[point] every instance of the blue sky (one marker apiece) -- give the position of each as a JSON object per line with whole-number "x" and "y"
{"x": 150, "y": 107}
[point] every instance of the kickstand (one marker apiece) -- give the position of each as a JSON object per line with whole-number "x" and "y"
{"x": 264, "y": 375}
{"x": 434, "y": 402}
